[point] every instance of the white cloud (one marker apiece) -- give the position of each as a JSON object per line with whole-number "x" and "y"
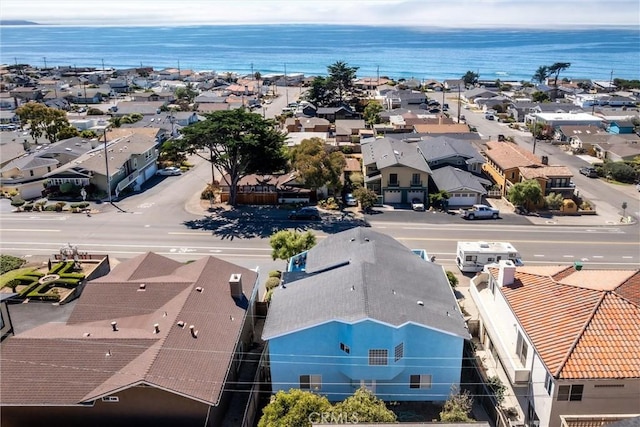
{"x": 445, "y": 13}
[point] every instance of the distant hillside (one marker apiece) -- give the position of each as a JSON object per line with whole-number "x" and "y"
{"x": 16, "y": 22}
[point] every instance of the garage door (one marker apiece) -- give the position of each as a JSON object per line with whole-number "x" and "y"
{"x": 392, "y": 196}
{"x": 415, "y": 195}
{"x": 462, "y": 199}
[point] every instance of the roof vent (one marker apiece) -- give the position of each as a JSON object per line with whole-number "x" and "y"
{"x": 231, "y": 318}
{"x": 421, "y": 303}
{"x": 180, "y": 323}
{"x": 353, "y": 239}
{"x": 366, "y": 239}
{"x": 194, "y": 333}
{"x": 108, "y": 353}
{"x": 87, "y": 334}
{"x": 353, "y": 288}
{"x": 199, "y": 289}
{"x": 142, "y": 287}
{"x": 156, "y": 328}
{"x": 114, "y": 326}
{"x": 393, "y": 291}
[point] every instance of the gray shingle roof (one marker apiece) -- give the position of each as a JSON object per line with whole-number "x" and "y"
{"x": 453, "y": 179}
{"x": 443, "y": 147}
{"x": 386, "y": 152}
{"x": 373, "y": 277}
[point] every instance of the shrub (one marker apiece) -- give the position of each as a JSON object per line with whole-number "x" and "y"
{"x": 27, "y": 208}
{"x": 275, "y": 273}
{"x": 9, "y": 262}
{"x": 50, "y": 208}
{"x": 453, "y": 280}
{"x": 13, "y": 284}
{"x": 498, "y": 389}
{"x": 17, "y": 201}
{"x": 210, "y": 191}
{"x": 272, "y": 282}
{"x": 268, "y": 295}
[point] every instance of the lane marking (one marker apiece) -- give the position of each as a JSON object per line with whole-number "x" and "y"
{"x": 29, "y": 230}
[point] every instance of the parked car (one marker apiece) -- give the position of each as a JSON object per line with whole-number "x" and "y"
{"x": 489, "y": 117}
{"x": 590, "y": 172}
{"x": 481, "y": 211}
{"x": 306, "y": 212}
{"x": 350, "y": 200}
{"x": 170, "y": 171}
{"x": 417, "y": 205}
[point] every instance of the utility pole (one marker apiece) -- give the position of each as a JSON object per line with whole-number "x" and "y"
{"x": 611, "y": 82}
{"x": 106, "y": 164}
{"x": 252, "y": 71}
{"x": 459, "y": 101}
{"x": 45, "y": 61}
{"x": 286, "y": 84}
{"x": 103, "y": 65}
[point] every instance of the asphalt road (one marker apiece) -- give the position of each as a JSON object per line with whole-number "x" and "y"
{"x": 157, "y": 220}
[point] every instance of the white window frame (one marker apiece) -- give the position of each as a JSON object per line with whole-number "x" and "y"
{"x": 378, "y": 357}
{"x": 311, "y": 382}
{"x": 420, "y": 381}
{"x": 398, "y": 351}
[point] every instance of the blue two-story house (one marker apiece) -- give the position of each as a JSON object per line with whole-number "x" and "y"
{"x": 361, "y": 309}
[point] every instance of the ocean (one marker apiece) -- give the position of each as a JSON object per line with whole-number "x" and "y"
{"x": 421, "y": 53}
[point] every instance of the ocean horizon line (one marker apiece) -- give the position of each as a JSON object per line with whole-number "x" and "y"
{"x": 555, "y": 27}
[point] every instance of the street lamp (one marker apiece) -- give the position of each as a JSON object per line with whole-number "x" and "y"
{"x": 106, "y": 164}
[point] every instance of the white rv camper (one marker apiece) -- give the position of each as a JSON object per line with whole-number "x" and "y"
{"x": 473, "y": 256}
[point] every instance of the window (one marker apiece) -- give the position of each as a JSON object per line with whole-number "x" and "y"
{"x": 378, "y": 357}
{"x": 548, "y": 383}
{"x": 473, "y": 258}
{"x": 111, "y": 399}
{"x": 393, "y": 179}
{"x": 415, "y": 179}
{"x": 420, "y": 381}
{"x": 310, "y": 382}
{"x": 490, "y": 259}
{"x": 570, "y": 392}
{"x": 521, "y": 349}
{"x": 399, "y": 351}
{"x": 30, "y": 173}
{"x": 345, "y": 348}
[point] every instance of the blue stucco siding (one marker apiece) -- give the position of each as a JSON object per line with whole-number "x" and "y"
{"x": 339, "y": 352}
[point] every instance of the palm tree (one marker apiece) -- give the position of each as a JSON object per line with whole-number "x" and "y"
{"x": 541, "y": 75}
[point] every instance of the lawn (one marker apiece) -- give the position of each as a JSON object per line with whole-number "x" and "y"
{"x": 10, "y": 275}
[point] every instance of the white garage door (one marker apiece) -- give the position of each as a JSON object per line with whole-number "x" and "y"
{"x": 415, "y": 195}
{"x": 392, "y": 196}
{"x": 462, "y": 199}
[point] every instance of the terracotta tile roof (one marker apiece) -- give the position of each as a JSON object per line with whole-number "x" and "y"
{"x": 508, "y": 155}
{"x": 169, "y": 358}
{"x": 583, "y": 325}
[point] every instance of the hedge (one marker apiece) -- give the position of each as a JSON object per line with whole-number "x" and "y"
{"x": 275, "y": 273}
{"x": 272, "y": 282}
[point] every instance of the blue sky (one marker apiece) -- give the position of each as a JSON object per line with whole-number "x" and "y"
{"x": 442, "y": 13}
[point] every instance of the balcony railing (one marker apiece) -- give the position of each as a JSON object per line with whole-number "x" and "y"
{"x": 393, "y": 184}
{"x": 416, "y": 183}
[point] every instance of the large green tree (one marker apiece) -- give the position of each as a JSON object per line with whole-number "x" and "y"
{"x": 318, "y": 164}
{"x": 457, "y": 408}
{"x": 319, "y": 93}
{"x": 42, "y": 120}
{"x": 526, "y": 193}
{"x": 363, "y": 407}
{"x": 555, "y": 70}
{"x": 372, "y": 113}
{"x": 287, "y": 243}
{"x": 470, "y": 78}
{"x": 238, "y": 143}
{"x": 293, "y": 408}
{"x": 341, "y": 77}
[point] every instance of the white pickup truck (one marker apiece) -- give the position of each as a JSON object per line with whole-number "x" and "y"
{"x": 481, "y": 211}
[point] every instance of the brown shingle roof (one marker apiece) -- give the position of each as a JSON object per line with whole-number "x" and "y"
{"x": 581, "y": 327}
{"x": 171, "y": 359}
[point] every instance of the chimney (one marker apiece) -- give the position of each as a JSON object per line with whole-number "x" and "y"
{"x": 506, "y": 272}
{"x": 545, "y": 160}
{"x": 114, "y": 325}
{"x": 235, "y": 285}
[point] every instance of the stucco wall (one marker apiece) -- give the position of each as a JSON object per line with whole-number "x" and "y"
{"x": 317, "y": 351}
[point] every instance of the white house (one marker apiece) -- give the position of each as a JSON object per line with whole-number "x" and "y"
{"x": 565, "y": 340}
